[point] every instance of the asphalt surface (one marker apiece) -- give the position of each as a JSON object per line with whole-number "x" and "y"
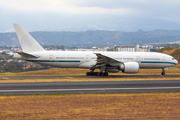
{"x": 89, "y": 87}
{"x": 84, "y": 76}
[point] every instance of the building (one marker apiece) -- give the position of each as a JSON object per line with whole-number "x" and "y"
{"x": 135, "y": 48}
{"x": 16, "y": 49}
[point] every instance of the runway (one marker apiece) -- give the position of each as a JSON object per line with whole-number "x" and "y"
{"x": 89, "y": 87}
{"x": 84, "y": 76}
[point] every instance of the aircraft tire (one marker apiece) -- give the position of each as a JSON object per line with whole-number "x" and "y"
{"x": 99, "y": 74}
{"x": 163, "y": 73}
{"x": 96, "y": 73}
{"x": 91, "y": 73}
{"x": 88, "y": 73}
{"x": 106, "y": 74}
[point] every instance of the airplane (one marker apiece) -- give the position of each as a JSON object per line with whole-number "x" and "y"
{"x": 106, "y": 62}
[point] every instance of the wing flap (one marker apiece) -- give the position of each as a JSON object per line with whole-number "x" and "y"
{"x": 106, "y": 59}
{"x": 103, "y": 60}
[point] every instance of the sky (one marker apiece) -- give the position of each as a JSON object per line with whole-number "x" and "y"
{"x": 83, "y": 15}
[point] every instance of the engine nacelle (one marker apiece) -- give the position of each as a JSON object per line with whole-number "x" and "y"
{"x": 112, "y": 70}
{"x": 129, "y": 67}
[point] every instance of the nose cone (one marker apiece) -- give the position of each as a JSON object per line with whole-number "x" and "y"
{"x": 176, "y": 61}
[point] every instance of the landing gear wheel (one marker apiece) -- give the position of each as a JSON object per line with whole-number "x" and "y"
{"x": 163, "y": 73}
{"x": 106, "y": 74}
{"x": 92, "y": 73}
{"x": 97, "y": 74}
{"x": 88, "y": 74}
{"x": 102, "y": 74}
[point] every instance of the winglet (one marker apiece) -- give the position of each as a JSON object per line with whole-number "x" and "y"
{"x": 28, "y": 43}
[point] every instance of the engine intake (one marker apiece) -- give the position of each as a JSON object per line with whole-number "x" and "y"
{"x": 129, "y": 67}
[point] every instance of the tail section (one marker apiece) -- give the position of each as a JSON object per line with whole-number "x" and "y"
{"x": 28, "y": 43}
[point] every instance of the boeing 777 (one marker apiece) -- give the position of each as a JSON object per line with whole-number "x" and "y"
{"x": 127, "y": 62}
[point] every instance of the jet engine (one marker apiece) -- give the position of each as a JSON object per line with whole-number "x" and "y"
{"x": 129, "y": 67}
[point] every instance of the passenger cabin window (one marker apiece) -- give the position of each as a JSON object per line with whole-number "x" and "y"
{"x": 70, "y": 58}
{"x": 152, "y": 59}
{"x": 128, "y": 58}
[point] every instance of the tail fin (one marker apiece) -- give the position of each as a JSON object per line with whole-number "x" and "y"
{"x": 28, "y": 43}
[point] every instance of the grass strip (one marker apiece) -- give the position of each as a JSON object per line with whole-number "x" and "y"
{"x": 75, "y": 72}
{"x": 91, "y": 106}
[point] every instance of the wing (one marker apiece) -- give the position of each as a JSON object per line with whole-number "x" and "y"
{"x": 104, "y": 60}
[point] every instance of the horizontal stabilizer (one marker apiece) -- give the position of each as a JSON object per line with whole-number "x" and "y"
{"x": 27, "y": 54}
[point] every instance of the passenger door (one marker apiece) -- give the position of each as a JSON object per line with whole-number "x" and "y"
{"x": 87, "y": 58}
{"x": 164, "y": 59}
{"x": 51, "y": 57}
{"x": 138, "y": 59}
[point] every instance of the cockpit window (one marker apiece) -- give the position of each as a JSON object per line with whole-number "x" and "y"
{"x": 172, "y": 58}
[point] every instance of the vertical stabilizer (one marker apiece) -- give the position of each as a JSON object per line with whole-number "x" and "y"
{"x": 28, "y": 43}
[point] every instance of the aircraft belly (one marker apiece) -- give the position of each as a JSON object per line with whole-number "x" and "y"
{"x": 58, "y": 64}
{"x": 154, "y": 65}
{"x": 87, "y": 64}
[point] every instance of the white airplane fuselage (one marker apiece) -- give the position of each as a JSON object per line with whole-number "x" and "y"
{"x": 83, "y": 59}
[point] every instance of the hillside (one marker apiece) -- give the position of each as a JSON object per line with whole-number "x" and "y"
{"x": 96, "y": 38}
{"x": 173, "y": 51}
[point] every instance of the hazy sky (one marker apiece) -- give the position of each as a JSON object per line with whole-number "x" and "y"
{"x": 82, "y": 15}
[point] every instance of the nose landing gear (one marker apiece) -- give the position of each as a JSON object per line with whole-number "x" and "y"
{"x": 163, "y": 71}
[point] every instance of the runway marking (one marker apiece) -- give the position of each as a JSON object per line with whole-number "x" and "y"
{"x": 90, "y": 89}
{"x": 69, "y": 77}
{"x": 5, "y": 78}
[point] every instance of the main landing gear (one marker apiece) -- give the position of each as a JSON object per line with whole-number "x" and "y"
{"x": 97, "y": 73}
{"x": 163, "y": 71}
